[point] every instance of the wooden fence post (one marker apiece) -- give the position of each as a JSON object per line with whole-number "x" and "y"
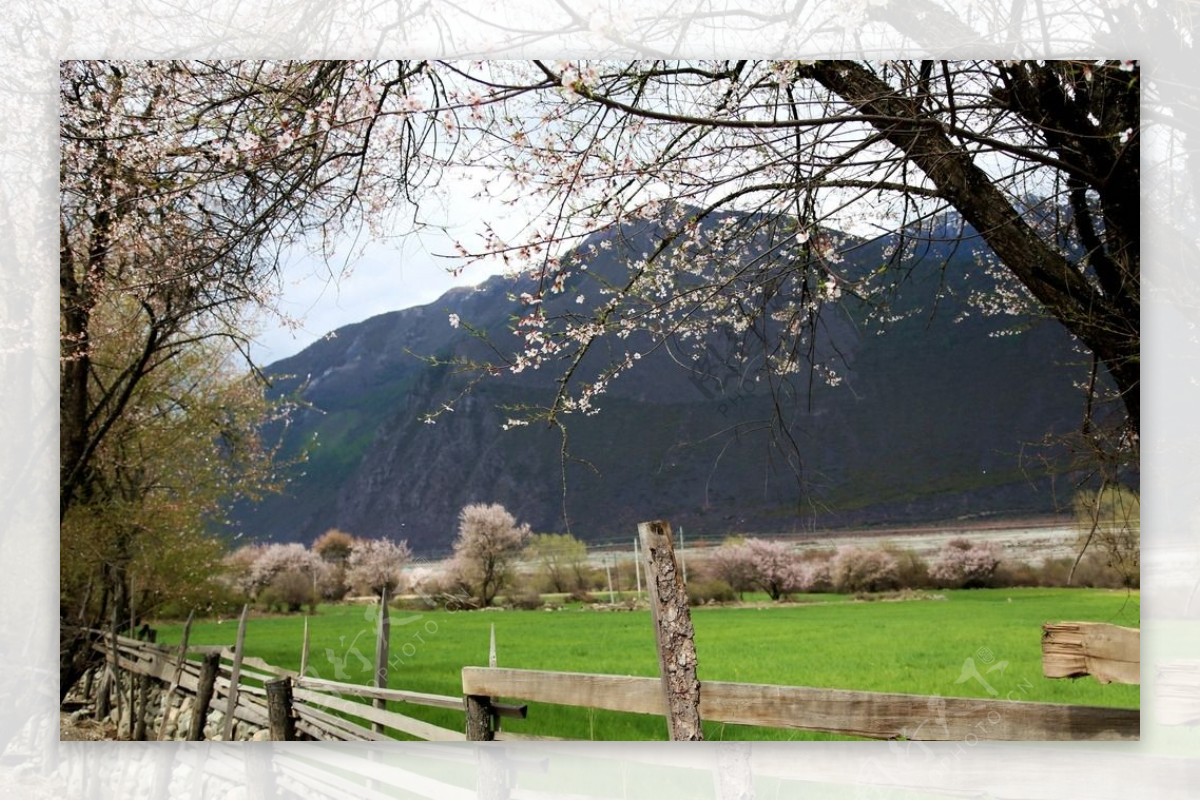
{"x": 673, "y": 631}
{"x": 209, "y": 669}
{"x": 170, "y": 691}
{"x": 139, "y": 730}
{"x": 235, "y": 675}
{"x": 382, "y": 638}
{"x": 480, "y": 718}
{"x": 637, "y": 569}
{"x": 279, "y": 709}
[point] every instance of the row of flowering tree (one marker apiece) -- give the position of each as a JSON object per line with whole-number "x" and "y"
{"x": 288, "y": 575}
{"x": 779, "y": 569}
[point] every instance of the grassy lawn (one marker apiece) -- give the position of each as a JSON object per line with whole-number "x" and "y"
{"x": 916, "y": 646}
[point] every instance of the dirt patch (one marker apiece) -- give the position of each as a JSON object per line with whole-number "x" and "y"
{"x": 85, "y": 729}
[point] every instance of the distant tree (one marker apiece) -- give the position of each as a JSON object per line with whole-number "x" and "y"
{"x": 963, "y": 563}
{"x": 334, "y": 546}
{"x": 376, "y": 565}
{"x": 277, "y": 558}
{"x": 775, "y": 567}
{"x": 1109, "y": 523}
{"x": 730, "y": 562}
{"x": 489, "y": 540}
{"x": 561, "y": 560}
{"x": 858, "y": 569}
{"x": 237, "y": 568}
{"x": 181, "y": 183}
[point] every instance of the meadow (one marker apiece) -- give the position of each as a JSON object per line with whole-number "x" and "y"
{"x": 970, "y": 643}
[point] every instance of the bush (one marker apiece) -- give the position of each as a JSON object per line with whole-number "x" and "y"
{"x": 858, "y": 569}
{"x": 526, "y": 600}
{"x": 962, "y": 563}
{"x": 710, "y": 591}
{"x": 581, "y": 597}
{"x": 911, "y": 570}
{"x": 288, "y": 591}
{"x": 815, "y": 576}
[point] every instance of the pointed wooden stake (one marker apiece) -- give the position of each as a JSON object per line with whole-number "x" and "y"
{"x": 235, "y": 675}
{"x": 304, "y": 650}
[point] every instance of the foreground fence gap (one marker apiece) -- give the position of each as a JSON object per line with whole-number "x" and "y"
{"x": 673, "y": 631}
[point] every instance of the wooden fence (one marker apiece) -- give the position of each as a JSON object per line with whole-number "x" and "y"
{"x": 330, "y": 710}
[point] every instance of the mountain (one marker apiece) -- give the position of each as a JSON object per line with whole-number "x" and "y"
{"x": 930, "y": 421}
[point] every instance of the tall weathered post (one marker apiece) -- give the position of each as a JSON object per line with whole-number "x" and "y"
{"x": 205, "y": 687}
{"x": 235, "y": 675}
{"x": 673, "y": 631}
{"x": 279, "y": 709}
{"x": 382, "y": 638}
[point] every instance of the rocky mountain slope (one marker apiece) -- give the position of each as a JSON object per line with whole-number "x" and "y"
{"x": 936, "y": 418}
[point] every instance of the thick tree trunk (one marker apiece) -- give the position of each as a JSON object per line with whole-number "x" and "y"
{"x": 1108, "y": 325}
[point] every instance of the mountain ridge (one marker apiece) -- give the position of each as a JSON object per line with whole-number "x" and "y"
{"x": 929, "y": 422}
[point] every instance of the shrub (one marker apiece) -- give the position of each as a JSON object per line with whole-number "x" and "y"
{"x": 857, "y": 569}
{"x": 709, "y": 591}
{"x": 561, "y": 560}
{"x": 815, "y": 576}
{"x": 1109, "y": 522}
{"x": 731, "y": 563}
{"x": 962, "y": 563}
{"x": 525, "y": 600}
{"x": 288, "y": 591}
{"x": 911, "y": 570}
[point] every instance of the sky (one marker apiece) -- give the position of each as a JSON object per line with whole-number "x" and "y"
{"x": 385, "y": 277}
{"x": 363, "y": 280}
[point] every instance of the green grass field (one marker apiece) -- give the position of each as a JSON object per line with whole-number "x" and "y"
{"x": 925, "y": 647}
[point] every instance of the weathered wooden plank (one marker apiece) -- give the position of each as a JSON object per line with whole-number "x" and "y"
{"x": 891, "y": 716}
{"x": 404, "y": 723}
{"x": 268, "y": 670}
{"x": 596, "y": 691}
{"x": 864, "y": 714}
{"x": 365, "y": 691}
{"x": 319, "y": 721}
{"x": 1107, "y": 652}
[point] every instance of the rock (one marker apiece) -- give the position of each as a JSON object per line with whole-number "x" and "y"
{"x": 260, "y": 736}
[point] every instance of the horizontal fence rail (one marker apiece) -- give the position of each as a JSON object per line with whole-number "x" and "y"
{"x": 885, "y": 716}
